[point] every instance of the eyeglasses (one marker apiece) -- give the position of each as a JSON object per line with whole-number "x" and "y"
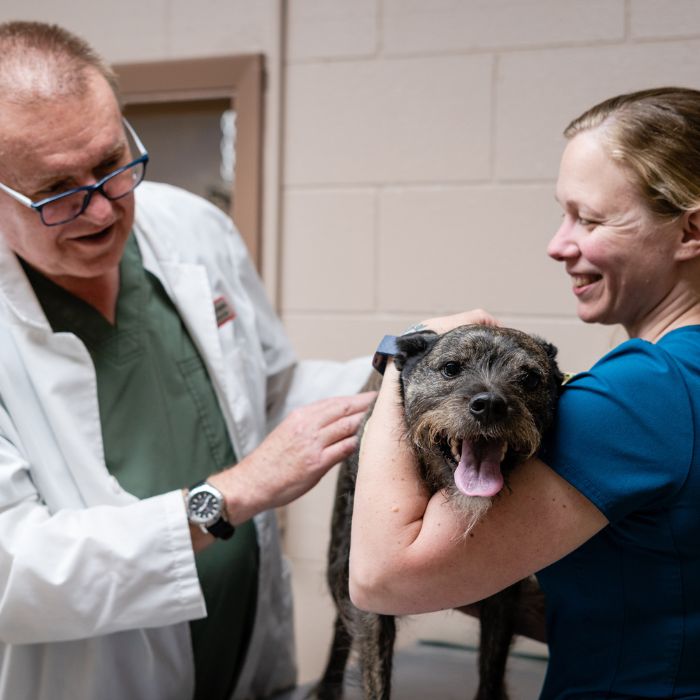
{"x": 62, "y": 208}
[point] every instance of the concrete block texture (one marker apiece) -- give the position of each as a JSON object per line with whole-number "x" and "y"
{"x": 331, "y": 29}
{"x": 308, "y": 521}
{"x": 539, "y": 92}
{"x": 127, "y": 31}
{"x": 342, "y": 336}
{"x": 464, "y": 247}
{"x": 159, "y": 29}
{"x": 412, "y": 26}
{"x": 406, "y": 120}
{"x": 328, "y": 250}
{"x": 662, "y": 19}
{"x": 219, "y": 27}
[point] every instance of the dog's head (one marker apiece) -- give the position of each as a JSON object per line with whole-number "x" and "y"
{"x": 477, "y": 400}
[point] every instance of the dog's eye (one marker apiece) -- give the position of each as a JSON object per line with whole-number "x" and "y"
{"x": 450, "y": 369}
{"x": 530, "y": 380}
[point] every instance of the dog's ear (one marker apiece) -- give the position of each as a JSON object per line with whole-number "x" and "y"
{"x": 412, "y": 346}
{"x": 551, "y": 351}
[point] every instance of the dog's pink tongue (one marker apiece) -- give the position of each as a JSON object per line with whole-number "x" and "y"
{"x": 480, "y": 477}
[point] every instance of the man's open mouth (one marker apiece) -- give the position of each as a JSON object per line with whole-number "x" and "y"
{"x": 94, "y": 237}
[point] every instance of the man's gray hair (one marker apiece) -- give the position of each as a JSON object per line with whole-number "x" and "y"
{"x": 40, "y": 61}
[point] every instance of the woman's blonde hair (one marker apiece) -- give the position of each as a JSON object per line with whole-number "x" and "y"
{"x": 655, "y": 135}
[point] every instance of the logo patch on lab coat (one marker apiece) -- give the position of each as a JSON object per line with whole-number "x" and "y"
{"x": 223, "y": 310}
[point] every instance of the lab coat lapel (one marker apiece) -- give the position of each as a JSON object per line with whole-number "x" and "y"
{"x": 64, "y": 381}
{"x": 62, "y": 392}
{"x": 190, "y": 290}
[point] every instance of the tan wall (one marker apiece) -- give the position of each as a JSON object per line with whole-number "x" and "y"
{"x": 421, "y": 147}
{"x": 411, "y": 152}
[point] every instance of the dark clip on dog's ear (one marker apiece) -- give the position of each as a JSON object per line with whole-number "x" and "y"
{"x": 411, "y": 345}
{"x": 385, "y": 350}
{"x": 401, "y": 348}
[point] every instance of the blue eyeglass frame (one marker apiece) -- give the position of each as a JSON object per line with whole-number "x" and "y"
{"x": 88, "y": 189}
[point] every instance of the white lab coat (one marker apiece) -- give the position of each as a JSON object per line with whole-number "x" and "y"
{"x": 96, "y": 587}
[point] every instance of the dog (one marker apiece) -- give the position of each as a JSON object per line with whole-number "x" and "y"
{"x": 477, "y": 401}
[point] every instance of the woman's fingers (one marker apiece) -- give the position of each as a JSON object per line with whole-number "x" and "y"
{"x": 442, "y": 324}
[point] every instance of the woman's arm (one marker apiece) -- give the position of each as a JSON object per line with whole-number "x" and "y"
{"x": 409, "y": 554}
{"x": 529, "y": 620}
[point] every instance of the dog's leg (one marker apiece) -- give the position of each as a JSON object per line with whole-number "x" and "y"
{"x": 330, "y": 687}
{"x": 497, "y": 627}
{"x": 376, "y": 654}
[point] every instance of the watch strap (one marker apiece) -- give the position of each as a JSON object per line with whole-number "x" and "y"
{"x": 387, "y": 348}
{"x": 221, "y": 529}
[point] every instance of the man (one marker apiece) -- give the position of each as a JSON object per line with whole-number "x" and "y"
{"x": 139, "y": 361}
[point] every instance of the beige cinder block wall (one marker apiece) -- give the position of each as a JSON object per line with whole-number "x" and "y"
{"x": 411, "y": 148}
{"x": 421, "y": 147}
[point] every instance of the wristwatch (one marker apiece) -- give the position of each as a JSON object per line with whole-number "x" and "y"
{"x": 386, "y": 349}
{"x": 205, "y": 509}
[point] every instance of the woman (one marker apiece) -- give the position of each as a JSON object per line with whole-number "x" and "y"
{"x": 608, "y": 515}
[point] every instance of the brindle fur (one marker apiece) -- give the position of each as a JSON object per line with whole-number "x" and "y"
{"x": 518, "y": 373}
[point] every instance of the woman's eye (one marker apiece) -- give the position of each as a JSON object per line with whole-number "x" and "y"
{"x": 450, "y": 369}
{"x": 530, "y": 380}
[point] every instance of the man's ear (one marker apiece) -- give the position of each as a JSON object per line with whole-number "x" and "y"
{"x": 690, "y": 242}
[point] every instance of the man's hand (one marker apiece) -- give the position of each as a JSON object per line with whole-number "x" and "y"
{"x": 293, "y": 457}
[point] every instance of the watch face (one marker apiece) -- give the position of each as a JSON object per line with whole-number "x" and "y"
{"x": 204, "y": 507}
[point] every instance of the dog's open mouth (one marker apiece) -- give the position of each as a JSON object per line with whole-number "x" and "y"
{"x": 478, "y": 466}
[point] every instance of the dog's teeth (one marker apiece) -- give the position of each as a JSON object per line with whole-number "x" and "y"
{"x": 456, "y": 450}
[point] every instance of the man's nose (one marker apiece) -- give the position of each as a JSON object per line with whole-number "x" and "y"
{"x": 99, "y": 208}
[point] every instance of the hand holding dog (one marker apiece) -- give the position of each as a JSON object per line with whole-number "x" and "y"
{"x": 442, "y": 324}
{"x": 294, "y": 457}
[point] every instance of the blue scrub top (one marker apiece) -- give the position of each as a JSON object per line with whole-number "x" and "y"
{"x": 623, "y": 611}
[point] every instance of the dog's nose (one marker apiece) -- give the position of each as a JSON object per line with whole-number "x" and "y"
{"x": 488, "y": 406}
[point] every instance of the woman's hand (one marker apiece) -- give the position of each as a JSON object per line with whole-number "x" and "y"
{"x": 442, "y": 324}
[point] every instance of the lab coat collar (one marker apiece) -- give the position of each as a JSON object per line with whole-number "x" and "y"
{"x": 17, "y": 292}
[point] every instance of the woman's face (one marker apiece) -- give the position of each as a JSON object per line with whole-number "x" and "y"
{"x": 619, "y": 256}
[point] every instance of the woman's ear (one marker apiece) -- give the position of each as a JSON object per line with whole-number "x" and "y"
{"x": 689, "y": 247}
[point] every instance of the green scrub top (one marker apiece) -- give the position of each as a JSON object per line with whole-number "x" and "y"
{"x": 150, "y": 375}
